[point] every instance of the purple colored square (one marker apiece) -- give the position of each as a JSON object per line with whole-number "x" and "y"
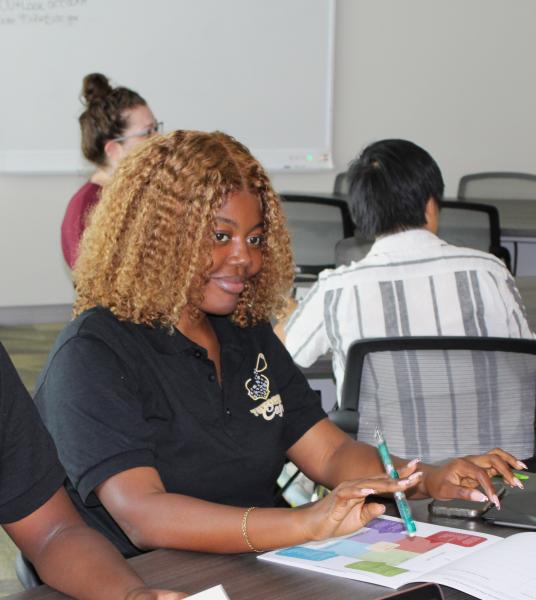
{"x": 371, "y": 536}
{"x": 383, "y": 525}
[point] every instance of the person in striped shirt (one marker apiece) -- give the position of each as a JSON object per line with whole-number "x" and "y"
{"x": 411, "y": 283}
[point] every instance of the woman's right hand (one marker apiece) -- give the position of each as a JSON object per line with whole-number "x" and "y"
{"x": 344, "y": 510}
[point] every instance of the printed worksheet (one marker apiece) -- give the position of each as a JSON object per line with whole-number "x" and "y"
{"x": 486, "y": 566}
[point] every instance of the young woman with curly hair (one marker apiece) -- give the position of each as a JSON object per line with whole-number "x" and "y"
{"x": 171, "y": 401}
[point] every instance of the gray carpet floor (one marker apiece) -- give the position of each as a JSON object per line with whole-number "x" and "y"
{"x": 28, "y": 347}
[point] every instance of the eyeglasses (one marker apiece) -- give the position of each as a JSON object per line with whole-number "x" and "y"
{"x": 156, "y": 127}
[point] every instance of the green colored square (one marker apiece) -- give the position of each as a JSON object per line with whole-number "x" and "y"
{"x": 390, "y": 557}
{"x": 379, "y": 568}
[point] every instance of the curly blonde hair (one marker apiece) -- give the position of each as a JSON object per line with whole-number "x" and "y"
{"x": 144, "y": 254}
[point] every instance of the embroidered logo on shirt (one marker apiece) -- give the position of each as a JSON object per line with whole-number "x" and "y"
{"x": 258, "y": 388}
{"x": 269, "y": 408}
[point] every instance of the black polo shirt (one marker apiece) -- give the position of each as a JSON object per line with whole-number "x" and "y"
{"x": 116, "y": 395}
{"x": 30, "y": 472}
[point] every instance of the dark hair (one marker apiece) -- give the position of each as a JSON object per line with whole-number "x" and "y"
{"x": 104, "y": 118}
{"x": 390, "y": 184}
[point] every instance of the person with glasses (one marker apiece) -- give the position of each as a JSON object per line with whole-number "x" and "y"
{"x": 115, "y": 120}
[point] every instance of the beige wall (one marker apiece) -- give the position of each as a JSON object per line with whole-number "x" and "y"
{"x": 455, "y": 76}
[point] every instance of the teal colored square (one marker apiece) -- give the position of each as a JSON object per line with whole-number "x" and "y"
{"x": 306, "y": 553}
{"x": 348, "y": 548}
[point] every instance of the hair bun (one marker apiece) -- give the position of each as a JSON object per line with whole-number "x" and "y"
{"x": 95, "y": 86}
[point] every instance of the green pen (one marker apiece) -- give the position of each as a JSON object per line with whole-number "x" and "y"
{"x": 516, "y": 474}
{"x": 400, "y": 497}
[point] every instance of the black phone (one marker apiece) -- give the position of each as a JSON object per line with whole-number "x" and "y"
{"x": 463, "y": 508}
{"x": 427, "y": 591}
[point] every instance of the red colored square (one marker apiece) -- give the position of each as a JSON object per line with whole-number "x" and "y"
{"x": 417, "y": 544}
{"x": 459, "y": 539}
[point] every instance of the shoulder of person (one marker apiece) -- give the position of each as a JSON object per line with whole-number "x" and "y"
{"x": 97, "y": 322}
{"x": 101, "y": 326}
{"x": 334, "y": 278}
{"x": 9, "y": 378}
{"x": 490, "y": 259}
{"x": 261, "y": 330}
{"x": 263, "y": 336}
{"x": 94, "y": 340}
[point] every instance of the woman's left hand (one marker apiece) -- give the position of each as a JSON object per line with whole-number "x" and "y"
{"x": 499, "y": 462}
{"x": 460, "y": 477}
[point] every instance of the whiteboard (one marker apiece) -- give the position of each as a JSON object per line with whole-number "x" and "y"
{"x": 261, "y": 70}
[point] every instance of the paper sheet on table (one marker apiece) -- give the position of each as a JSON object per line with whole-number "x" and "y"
{"x": 504, "y": 571}
{"x": 214, "y": 593}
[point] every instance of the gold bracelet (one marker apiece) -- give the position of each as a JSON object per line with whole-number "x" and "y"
{"x": 245, "y": 529}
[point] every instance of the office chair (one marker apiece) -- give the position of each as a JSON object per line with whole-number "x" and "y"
{"x": 497, "y": 185}
{"x": 466, "y": 224}
{"x": 352, "y": 249}
{"x": 341, "y": 187}
{"x": 316, "y": 223}
{"x": 473, "y": 225}
{"x": 26, "y": 573}
{"x": 492, "y": 185}
{"x": 439, "y": 397}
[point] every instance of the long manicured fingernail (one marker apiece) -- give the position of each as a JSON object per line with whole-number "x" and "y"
{"x": 518, "y": 483}
{"x": 522, "y": 465}
{"x": 477, "y": 496}
{"x": 368, "y": 491}
{"x": 413, "y": 462}
{"x": 495, "y": 500}
{"x": 414, "y": 476}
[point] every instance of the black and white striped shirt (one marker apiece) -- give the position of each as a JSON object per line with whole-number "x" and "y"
{"x": 410, "y": 283}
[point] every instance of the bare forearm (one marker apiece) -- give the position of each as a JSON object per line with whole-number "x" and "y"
{"x": 82, "y": 564}
{"x": 167, "y": 520}
{"x": 350, "y": 460}
{"x": 154, "y": 518}
{"x": 345, "y": 459}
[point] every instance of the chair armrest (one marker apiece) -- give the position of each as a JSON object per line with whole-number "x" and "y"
{"x": 345, "y": 420}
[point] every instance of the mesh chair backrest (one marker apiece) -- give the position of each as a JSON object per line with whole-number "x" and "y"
{"x": 468, "y": 228}
{"x": 315, "y": 227}
{"x": 497, "y": 186}
{"x": 472, "y": 225}
{"x": 351, "y": 249}
{"x": 435, "y": 404}
{"x": 342, "y": 184}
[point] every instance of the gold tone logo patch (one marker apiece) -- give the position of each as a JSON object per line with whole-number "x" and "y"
{"x": 269, "y": 408}
{"x": 258, "y": 388}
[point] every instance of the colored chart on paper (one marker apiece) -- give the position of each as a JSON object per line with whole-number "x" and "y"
{"x": 382, "y": 553}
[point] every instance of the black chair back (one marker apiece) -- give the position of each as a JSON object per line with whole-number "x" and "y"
{"x": 341, "y": 186}
{"x": 497, "y": 185}
{"x": 316, "y": 223}
{"x": 473, "y": 225}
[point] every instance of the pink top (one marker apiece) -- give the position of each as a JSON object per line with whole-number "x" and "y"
{"x": 75, "y": 219}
